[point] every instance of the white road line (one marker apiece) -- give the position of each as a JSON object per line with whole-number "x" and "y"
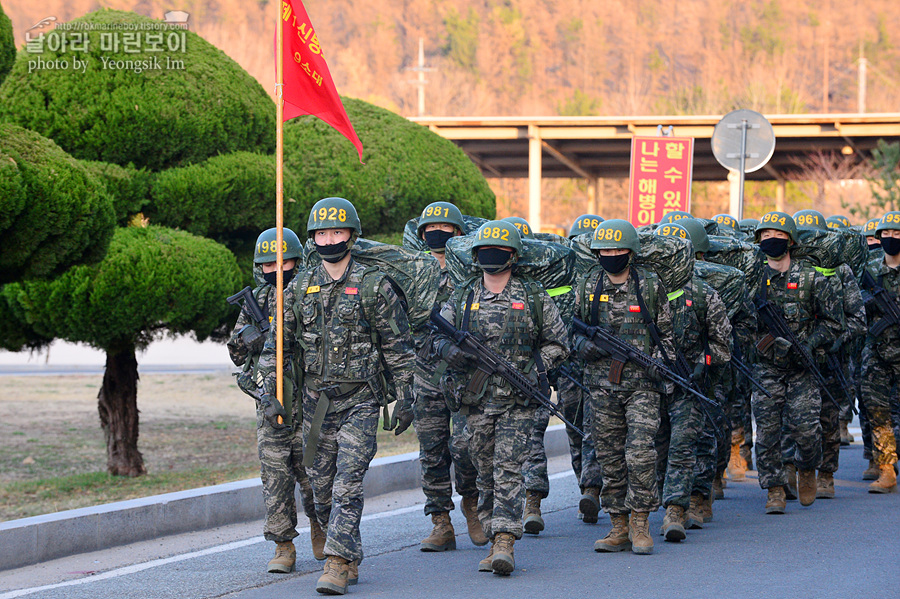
{"x": 209, "y": 551}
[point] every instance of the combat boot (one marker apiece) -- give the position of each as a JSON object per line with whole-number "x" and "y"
{"x": 775, "y": 502}
{"x": 694, "y": 516}
{"x": 335, "y": 579}
{"x": 737, "y": 467}
{"x": 790, "y": 490}
{"x": 718, "y": 487}
{"x": 352, "y": 573}
{"x": 617, "y": 539}
{"x": 706, "y": 508}
{"x": 504, "y": 561}
{"x": 747, "y": 454}
{"x": 317, "y": 537}
{"x": 806, "y": 487}
{"x": 825, "y": 485}
{"x": 469, "y": 507}
{"x": 872, "y": 472}
{"x": 673, "y": 524}
{"x": 485, "y": 564}
{"x": 590, "y": 505}
{"x": 442, "y": 537}
{"x": 639, "y": 531}
{"x": 284, "y": 560}
{"x": 533, "y": 523}
{"x": 887, "y": 481}
{"x": 846, "y": 437}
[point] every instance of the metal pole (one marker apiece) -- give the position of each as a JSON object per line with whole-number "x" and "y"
{"x": 279, "y": 207}
{"x": 740, "y": 214}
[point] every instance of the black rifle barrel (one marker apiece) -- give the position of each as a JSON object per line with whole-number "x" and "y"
{"x": 245, "y": 295}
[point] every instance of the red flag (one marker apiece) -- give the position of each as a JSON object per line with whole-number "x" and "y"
{"x": 308, "y": 87}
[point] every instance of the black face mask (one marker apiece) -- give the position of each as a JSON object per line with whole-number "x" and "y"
{"x": 615, "y": 264}
{"x": 437, "y": 239}
{"x": 494, "y": 260}
{"x": 334, "y": 252}
{"x": 890, "y": 245}
{"x": 269, "y": 277}
{"x": 774, "y": 247}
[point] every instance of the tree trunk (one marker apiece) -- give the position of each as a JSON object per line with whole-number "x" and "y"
{"x": 117, "y": 404}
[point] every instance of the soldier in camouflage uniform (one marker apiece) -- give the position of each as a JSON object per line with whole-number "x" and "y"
{"x": 441, "y": 433}
{"x": 881, "y": 357}
{"x": 280, "y": 448}
{"x": 514, "y": 317}
{"x": 876, "y": 254}
{"x": 345, "y": 323}
{"x": 702, "y": 334}
{"x": 810, "y": 308}
{"x": 629, "y": 300}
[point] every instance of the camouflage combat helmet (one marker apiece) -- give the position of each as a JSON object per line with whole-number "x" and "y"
{"x": 890, "y": 220}
{"x": 697, "y": 232}
{"x": 616, "y": 234}
{"x": 673, "y": 230}
{"x": 810, "y": 219}
{"x": 748, "y": 222}
{"x": 586, "y": 223}
{"x": 267, "y": 246}
{"x": 870, "y": 226}
{"x": 333, "y": 213}
{"x": 522, "y": 225}
{"x": 675, "y": 216}
{"x": 839, "y": 221}
{"x": 440, "y": 212}
{"x": 780, "y": 221}
{"x": 726, "y": 220}
{"x": 499, "y": 233}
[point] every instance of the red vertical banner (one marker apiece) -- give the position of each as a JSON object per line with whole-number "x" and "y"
{"x": 308, "y": 87}
{"x": 661, "y": 172}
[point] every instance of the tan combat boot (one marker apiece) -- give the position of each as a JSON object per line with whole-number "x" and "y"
{"x": 747, "y": 453}
{"x": 317, "y": 537}
{"x": 718, "y": 487}
{"x": 469, "y": 507}
{"x": 335, "y": 578}
{"x": 806, "y": 487}
{"x": 706, "y": 504}
{"x": 694, "y": 516}
{"x": 504, "y": 561}
{"x": 533, "y": 523}
{"x": 284, "y": 560}
{"x": 673, "y": 524}
{"x": 352, "y": 573}
{"x": 846, "y": 437}
{"x": 617, "y": 539}
{"x": 442, "y": 537}
{"x": 485, "y": 564}
{"x": 590, "y": 505}
{"x": 641, "y": 541}
{"x": 825, "y": 485}
{"x": 872, "y": 472}
{"x": 887, "y": 481}
{"x": 790, "y": 490}
{"x": 737, "y": 467}
{"x": 775, "y": 502}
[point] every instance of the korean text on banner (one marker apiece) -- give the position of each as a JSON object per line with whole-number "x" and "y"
{"x": 661, "y": 171}
{"x": 308, "y": 87}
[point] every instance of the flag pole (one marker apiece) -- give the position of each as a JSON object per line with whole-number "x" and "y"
{"x": 279, "y": 206}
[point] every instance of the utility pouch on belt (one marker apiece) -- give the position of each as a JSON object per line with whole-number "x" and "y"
{"x": 325, "y": 398}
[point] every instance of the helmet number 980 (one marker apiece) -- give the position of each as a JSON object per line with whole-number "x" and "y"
{"x": 608, "y": 235}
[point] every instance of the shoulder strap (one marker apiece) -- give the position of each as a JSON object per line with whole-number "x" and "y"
{"x": 648, "y": 321}
{"x": 595, "y": 301}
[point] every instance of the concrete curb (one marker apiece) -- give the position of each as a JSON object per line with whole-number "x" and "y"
{"x": 41, "y": 538}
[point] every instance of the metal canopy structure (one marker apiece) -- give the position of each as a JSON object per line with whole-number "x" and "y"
{"x": 597, "y": 148}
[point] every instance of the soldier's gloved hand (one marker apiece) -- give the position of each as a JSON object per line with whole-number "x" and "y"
{"x": 699, "y": 373}
{"x": 781, "y": 347}
{"x": 653, "y": 374}
{"x": 272, "y": 409}
{"x": 591, "y": 352}
{"x": 403, "y": 415}
{"x": 456, "y": 358}
{"x": 253, "y": 339}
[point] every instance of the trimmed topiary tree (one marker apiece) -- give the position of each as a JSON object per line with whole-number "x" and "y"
{"x": 153, "y": 281}
{"x": 128, "y": 186}
{"x": 407, "y": 167}
{"x": 147, "y": 108}
{"x": 7, "y": 45}
{"x": 53, "y": 212}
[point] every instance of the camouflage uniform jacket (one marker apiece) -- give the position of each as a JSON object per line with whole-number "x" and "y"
{"x": 504, "y": 322}
{"x": 340, "y": 339}
{"x": 887, "y": 345}
{"x": 620, "y": 313}
{"x": 700, "y": 323}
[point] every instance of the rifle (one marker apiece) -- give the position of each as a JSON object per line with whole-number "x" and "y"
{"x": 774, "y": 321}
{"x": 245, "y": 296}
{"x": 564, "y": 371}
{"x": 489, "y": 364}
{"x": 834, "y": 366}
{"x": 886, "y": 304}
{"x": 743, "y": 369}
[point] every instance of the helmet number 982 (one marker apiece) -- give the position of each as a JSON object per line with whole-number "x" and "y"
{"x": 494, "y": 233}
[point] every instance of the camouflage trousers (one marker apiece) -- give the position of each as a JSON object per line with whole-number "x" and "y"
{"x": 676, "y": 441}
{"x": 590, "y": 469}
{"x": 534, "y": 470}
{"x": 795, "y": 406}
{"x": 713, "y": 449}
{"x": 829, "y": 421}
{"x": 624, "y": 427}
{"x": 879, "y": 381}
{"x": 441, "y": 443}
{"x": 281, "y": 469}
{"x": 498, "y": 445}
{"x": 346, "y": 446}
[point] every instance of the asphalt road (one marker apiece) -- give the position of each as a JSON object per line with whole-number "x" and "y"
{"x": 840, "y": 548}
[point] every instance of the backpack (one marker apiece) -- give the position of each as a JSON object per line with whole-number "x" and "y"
{"x": 551, "y": 264}
{"x": 411, "y": 239}
{"x": 727, "y": 281}
{"x": 738, "y": 254}
{"x": 415, "y": 276}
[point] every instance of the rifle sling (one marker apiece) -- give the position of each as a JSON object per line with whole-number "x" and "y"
{"x": 651, "y": 326}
